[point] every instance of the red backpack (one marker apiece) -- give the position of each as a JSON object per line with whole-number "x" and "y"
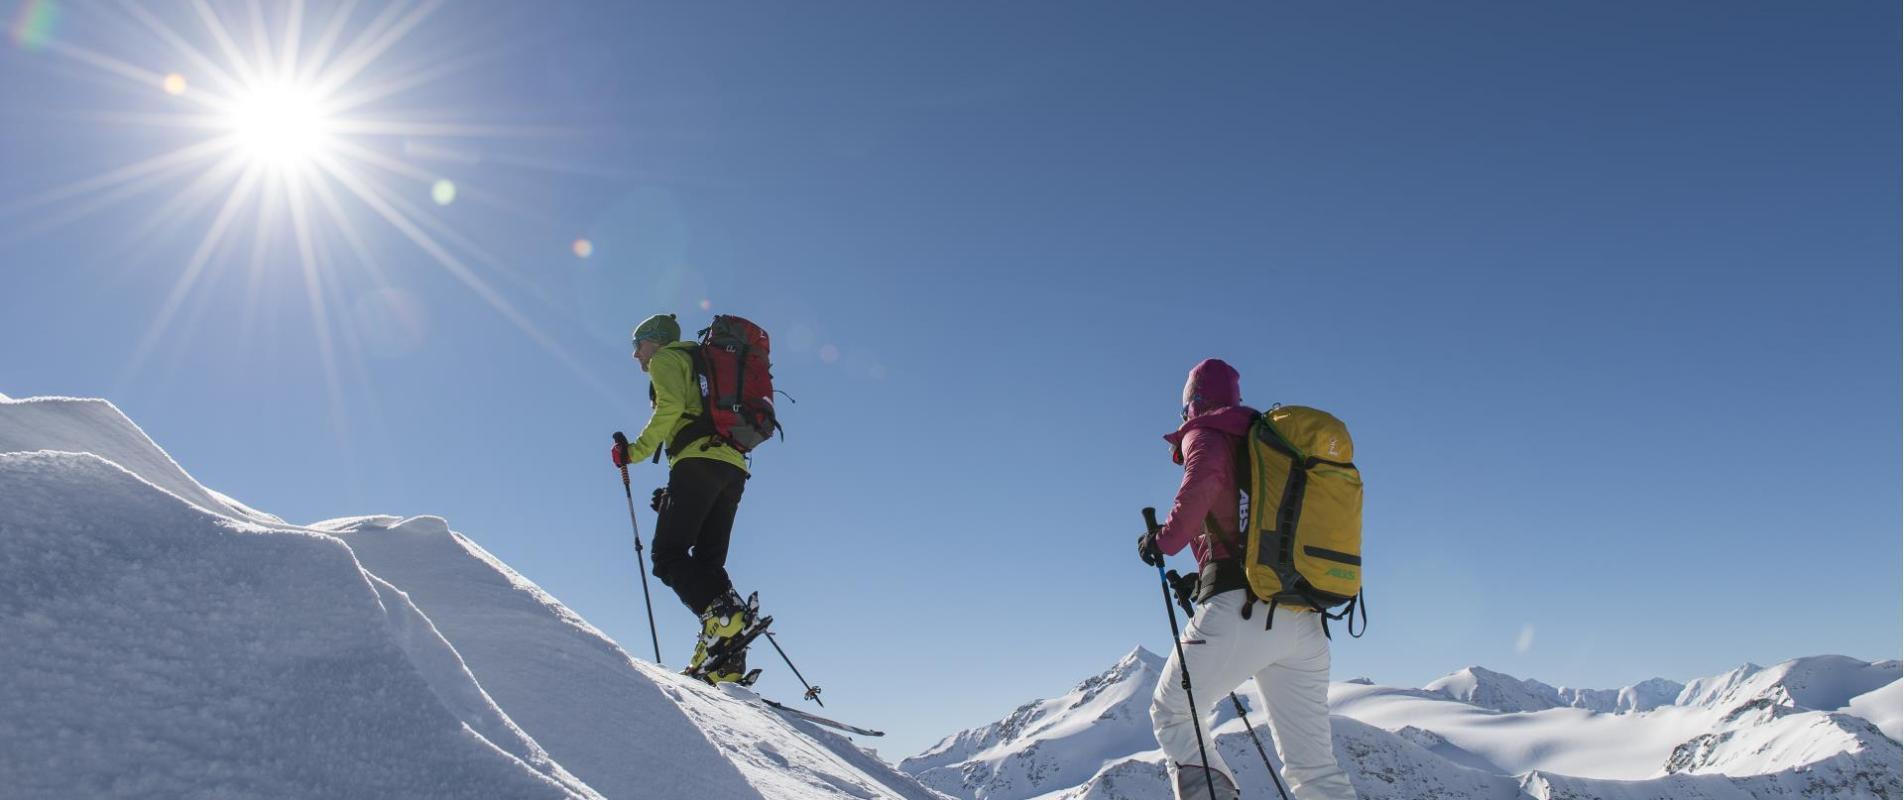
{"x": 733, "y": 367}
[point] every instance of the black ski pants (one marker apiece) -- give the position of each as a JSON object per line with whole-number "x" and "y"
{"x": 691, "y": 535}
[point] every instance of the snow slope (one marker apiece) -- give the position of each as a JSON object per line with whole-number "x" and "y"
{"x": 1741, "y": 736}
{"x": 584, "y": 699}
{"x": 75, "y": 425}
{"x": 169, "y": 652}
{"x": 177, "y": 643}
{"x": 1048, "y": 744}
{"x": 1883, "y": 707}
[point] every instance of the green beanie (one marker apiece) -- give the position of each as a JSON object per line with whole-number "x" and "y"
{"x": 659, "y": 328}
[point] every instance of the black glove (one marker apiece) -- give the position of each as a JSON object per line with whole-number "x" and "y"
{"x": 1147, "y": 549}
{"x": 1185, "y": 589}
{"x": 660, "y": 499}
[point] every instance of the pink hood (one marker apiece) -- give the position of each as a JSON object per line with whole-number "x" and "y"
{"x": 1212, "y": 385}
{"x": 1233, "y": 420}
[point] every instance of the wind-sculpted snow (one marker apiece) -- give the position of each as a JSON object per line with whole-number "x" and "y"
{"x": 157, "y": 650}
{"x": 624, "y": 726}
{"x": 73, "y": 425}
{"x": 1745, "y": 735}
{"x": 171, "y": 642}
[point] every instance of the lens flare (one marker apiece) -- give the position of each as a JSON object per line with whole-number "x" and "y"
{"x": 33, "y": 26}
{"x": 582, "y": 248}
{"x": 174, "y": 84}
{"x": 443, "y": 192}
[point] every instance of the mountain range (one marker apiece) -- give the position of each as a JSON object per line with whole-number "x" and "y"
{"x": 1816, "y": 727}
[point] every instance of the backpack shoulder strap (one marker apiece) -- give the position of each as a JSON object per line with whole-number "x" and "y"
{"x": 701, "y": 424}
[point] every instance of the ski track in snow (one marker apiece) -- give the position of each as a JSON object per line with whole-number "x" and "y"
{"x": 180, "y": 644}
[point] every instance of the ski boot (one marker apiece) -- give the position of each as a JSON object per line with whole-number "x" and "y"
{"x": 728, "y": 626}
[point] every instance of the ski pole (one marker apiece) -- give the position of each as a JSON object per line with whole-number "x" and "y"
{"x": 1183, "y": 601}
{"x": 1244, "y": 716}
{"x": 1196, "y": 725}
{"x": 813, "y": 692}
{"x": 641, "y": 562}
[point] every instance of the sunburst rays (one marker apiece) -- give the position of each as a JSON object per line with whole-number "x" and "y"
{"x": 285, "y": 109}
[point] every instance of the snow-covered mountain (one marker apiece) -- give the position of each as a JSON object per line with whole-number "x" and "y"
{"x": 1047, "y": 744}
{"x": 164, "y": 640}
{"x": 1808, "y": 728}
{"x": 1489, "y": 689}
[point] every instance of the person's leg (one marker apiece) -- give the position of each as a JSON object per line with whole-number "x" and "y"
{"x": 717, "y": 530}
{"x": 692, "y": 492}
{"x": 1221, "y": 655}
{"x": 1296, "y": 696}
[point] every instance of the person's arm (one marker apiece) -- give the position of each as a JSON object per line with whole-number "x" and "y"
{"x": 1207, "y": 477}
{"x": 672, "y": 373}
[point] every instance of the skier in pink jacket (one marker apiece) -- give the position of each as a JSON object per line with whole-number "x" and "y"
{"x": 1288, "y": 655}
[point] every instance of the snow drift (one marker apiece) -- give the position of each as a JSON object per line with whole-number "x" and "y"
{"x": 167, "y": 641}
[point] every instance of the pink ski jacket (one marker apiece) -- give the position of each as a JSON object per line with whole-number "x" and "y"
{"x": 1206, "y": 447}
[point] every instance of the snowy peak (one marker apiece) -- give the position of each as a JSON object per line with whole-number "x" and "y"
{"x": 1644, "y": 696}
{"x": 1823, "y": 683}
{"x": 1049, "y": 744}
{"x": 1139, "y": 666}
{"x": 1486, "y": 688}
{"x": 1707, "y": 691}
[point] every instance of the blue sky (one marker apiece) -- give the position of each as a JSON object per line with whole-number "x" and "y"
{"x": 1608, "y": 294}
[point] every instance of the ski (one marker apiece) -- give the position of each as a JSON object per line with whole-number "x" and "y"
{"x": 734, "y": 646}
{"x": 819, "y": 720}
{"x": 742, "y": 693}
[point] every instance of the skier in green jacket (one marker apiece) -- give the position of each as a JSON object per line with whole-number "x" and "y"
{"x": 705, "y": 481}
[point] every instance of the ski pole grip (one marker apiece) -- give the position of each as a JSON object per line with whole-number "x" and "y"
{"x": 1150, "y": 519}
{"x": 621, "y": 441}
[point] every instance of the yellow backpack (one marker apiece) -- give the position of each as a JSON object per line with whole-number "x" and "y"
{"x": 1303, "y": 534}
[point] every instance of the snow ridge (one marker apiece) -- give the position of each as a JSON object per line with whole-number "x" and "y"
{"x": 80, "y": 425}
{"x": 178, "y": 643}
{"x": 174, "y": 652}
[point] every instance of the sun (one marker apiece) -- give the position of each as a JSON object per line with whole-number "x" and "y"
{"x": 279, "y": 125}
{"x": 316, "y": 122}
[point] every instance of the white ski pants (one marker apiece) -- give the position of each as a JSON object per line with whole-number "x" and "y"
{"x": 1290, "y": 662}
